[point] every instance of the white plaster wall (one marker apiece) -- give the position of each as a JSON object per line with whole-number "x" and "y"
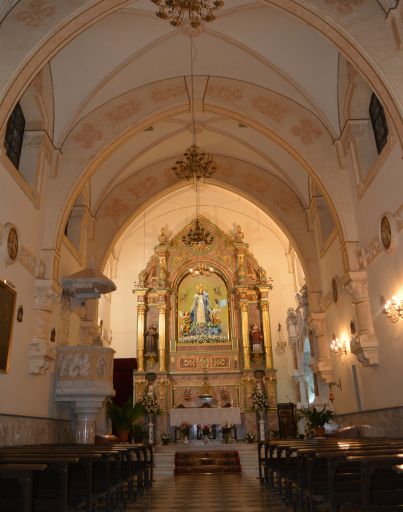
{"x": 20, "y": 392}
{"x": 266, "y": 241}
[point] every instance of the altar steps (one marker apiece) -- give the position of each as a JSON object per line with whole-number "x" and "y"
{"x": 164, "y": 457}
{"x": 198, "y": 462}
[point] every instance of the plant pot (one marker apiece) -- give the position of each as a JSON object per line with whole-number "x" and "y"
{"x": 165, "y": 441}
{"x": 123, "y": 436}
{"x": 319, "y": 431}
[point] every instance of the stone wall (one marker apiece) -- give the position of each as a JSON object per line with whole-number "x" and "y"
{"x": 378, "y": 422}
{"x": 19, "y": 430}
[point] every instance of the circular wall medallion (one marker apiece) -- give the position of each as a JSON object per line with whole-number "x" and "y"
{"x": 9, "y": 243}
{"x": 335, "y": 292}
{"x": 12, "y": 244}
{"x": 386, "y": 232}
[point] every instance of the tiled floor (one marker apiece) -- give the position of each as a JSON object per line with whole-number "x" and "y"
{"x": 207, "y": 493}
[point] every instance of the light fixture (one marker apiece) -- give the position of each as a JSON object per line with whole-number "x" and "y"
{"x": 338, "y": 346}
{"x": 281, "y": 343}
{"x": 194, "y": 163}
{"x": 393, "y": 309}
{"x": 195, "y": 10}
{"x": 201, "y": 269}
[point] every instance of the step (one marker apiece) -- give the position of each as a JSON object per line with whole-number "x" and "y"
{"x": 207, "y": 469}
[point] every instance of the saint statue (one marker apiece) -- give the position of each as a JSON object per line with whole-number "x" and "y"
{"x": 256, "y": 338}
{"x": 200, "y": 313}
{"x": 151, "y": 339}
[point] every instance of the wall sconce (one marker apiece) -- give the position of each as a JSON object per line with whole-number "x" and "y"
{"x": 393, "y": 308}
{"x": 20, "y": 314}
{"x": 281, "y": 342}
{"x": 338, "y": 346}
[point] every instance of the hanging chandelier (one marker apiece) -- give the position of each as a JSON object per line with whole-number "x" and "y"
{"x": 197, "y": 237}
{"x": 195, "y": 164}
{"x": 195, "y": 10}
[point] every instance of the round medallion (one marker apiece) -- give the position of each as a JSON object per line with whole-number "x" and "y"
{"x": 12, "y": 244}
{"x": 335, "y": 293}
{"x": 386, "y": 232}
{"x": 9, "y": 243}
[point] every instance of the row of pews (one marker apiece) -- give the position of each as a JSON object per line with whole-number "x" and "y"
{"x": 334, "y": 474}
{"x": 64, "y": 478}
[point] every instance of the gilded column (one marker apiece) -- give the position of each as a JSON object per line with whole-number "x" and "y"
{"x": 161, "y": 336}
{"x": 245, "y": 335}
{"x": 140, "y": 336}
{"x": 267, "y": 334}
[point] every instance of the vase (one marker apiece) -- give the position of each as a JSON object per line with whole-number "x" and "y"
{"x": 205, "y": 439}
{"x": 186, "y": 439}
{"x": 319, "y": 431}
{"x": 123, "y": 436}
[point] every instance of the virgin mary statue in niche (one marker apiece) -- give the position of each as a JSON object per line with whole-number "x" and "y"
{"x": 202, "y": 310}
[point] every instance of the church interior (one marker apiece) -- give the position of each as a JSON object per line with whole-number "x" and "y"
{"x": 201, "y": 210}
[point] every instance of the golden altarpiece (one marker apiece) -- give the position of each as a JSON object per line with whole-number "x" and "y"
{"x": 204, "y": 315}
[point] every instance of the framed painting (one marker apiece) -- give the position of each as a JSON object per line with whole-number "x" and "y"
{"x": 203, "y": 310}
{"x": 7, "y": 307}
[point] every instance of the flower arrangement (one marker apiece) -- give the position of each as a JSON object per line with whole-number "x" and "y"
{"x": 205, "y": 429}
{"x": 315, "y": 418}
{"x": 165, "y": 438}
{"x": 185, "y": 428}
{"x": 259, "y": 400}
{"x": 250, "y": 437}
{"x": 226, "y": 429}
{"x": 150, "y": 404}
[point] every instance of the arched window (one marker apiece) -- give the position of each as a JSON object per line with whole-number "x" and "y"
{"x": 15, "y": 135}
{"x": 378, "y": 121}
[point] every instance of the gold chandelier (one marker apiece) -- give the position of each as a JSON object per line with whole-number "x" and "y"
{"x": 197, "y": 237}
{"x": 195, "y": 164}
{"x": 195, "y": 10}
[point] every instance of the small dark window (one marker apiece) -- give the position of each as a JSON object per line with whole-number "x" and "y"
{"x": 379, "y": 125}
{"x": 14, "y": 135}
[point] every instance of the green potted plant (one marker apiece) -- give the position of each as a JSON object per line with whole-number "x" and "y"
{"x": 165, "y": 438}
{"x": 123, "y": 417}
{"x": 316, "y": 419}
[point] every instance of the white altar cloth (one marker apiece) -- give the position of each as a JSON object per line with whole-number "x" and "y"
{"x": 205, "y": 416}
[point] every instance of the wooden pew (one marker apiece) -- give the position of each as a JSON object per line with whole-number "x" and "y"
{"x": 17, "y": 499}
{"x": 105, "y": 477}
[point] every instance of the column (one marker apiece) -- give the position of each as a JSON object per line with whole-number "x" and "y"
{"x": 140, "y": 336}
{"x": 161, "y": 336}
{"x": 245, "y": 334}
{"x": 267, "y": 334}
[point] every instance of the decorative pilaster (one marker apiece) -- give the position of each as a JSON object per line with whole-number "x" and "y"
{"x": 161, "y": 339}
{"x": 322, "y": 367}
{"x": 141, "y": 308}
{"x": 41, "y": 352}
{"x": 267, "y": 334}
{"x": 364, "y": 344}
{"x": 245, "y": 334}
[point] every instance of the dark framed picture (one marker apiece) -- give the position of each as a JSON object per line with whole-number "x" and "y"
{"x": 7, "y": 307}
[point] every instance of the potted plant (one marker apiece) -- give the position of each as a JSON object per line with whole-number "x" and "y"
{"x": 206, "y": 431}
{"x": 165, "y": 438}
{"x": 123, "y": 417}
{"x": 250, "y": 437}
{"x": 316, "y": 419}
{"x": 226, "y": 430}
{"x": 185, "y": 431}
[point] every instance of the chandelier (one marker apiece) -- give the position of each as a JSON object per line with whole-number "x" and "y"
{"x": 393, "y": 309}
{"x": 338, "y": 347}
{"x": 196, "y": 10}
{"x": 195, "y": 164}
{"x": 197, "y": 237}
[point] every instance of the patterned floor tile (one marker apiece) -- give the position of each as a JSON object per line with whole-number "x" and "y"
{"x": 201, "y": 493}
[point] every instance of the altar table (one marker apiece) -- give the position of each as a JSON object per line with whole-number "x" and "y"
{"x": 205, "y": 416}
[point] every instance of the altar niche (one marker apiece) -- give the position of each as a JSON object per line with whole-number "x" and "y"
{"x": 204, "y": 313}
{"x": 202, "y": 305}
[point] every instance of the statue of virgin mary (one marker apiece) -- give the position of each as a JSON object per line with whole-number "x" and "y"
{"x": 200, "y": 312}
